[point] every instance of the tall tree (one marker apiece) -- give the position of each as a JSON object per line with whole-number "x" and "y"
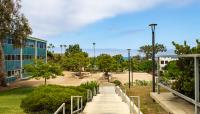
{"x": 118, "y": 62}
{"x": 73, "y": 49}
{"x": 182, "y": 70}
{"x": 104, "y": 62}
{"x": 147, "y": 50}
{"x": 12, "y": 24}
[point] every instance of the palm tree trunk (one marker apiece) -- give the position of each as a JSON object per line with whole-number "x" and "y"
{"x": 2, "y": 74}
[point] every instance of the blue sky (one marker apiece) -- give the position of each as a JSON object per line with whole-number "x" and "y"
{"x": 123, "y": 27}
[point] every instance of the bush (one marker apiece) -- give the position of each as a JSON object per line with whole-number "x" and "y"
{"x": 90, "y": 85}
{"x": 46, "y": 99}
{"x": 117, "y": 83}
{"x": 142, "y": 83}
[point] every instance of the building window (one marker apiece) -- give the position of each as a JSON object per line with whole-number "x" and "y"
{"x": 162, "y": 62}
{"x": 166, "y": 62}
{"x": 17, "y": 57}
{"x": 9, "y": 73}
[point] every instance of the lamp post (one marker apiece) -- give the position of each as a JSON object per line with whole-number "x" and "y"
{"x": 153, "y": 26}
{"x": 132, "y": 71}
{"x": 129, "y": 68}
{"x": 94, "y": 56}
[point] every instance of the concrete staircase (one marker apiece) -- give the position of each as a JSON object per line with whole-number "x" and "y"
{"x": 107, "y": 102}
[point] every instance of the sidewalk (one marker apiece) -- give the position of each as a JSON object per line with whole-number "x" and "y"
{"x": 172, "y": 103}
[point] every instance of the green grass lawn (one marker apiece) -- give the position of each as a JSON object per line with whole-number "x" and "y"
{"x": 148, "y": 106}
{"x": 10, "y": 100}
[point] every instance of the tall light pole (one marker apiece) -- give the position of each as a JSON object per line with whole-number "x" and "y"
{"x": 132, "y": 71}
{"x": 94, "y": 56}
{"x": 153, "y": 26}
{"x": 129, "y": 68}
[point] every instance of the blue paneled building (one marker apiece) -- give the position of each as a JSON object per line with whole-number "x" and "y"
{"x": 17, "y": 58}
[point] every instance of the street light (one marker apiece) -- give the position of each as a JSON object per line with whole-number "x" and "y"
{"x": 129, "y": 68}
{"x": 153, "y": 26}
{"x": 94, "y": 56}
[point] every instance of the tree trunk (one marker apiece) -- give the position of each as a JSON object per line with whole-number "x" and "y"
{"x": 2, "y": 74}
{"x": 45, "y": 81}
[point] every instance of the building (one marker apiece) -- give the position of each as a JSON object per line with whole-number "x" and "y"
{"x": 17, "y": 58}
{"x": 164, "y": 60}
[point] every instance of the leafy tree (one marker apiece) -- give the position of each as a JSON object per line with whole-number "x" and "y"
{"x": 73, "y": 49}
{"x": 118, "y": 63}
{"x": 43, "y": 70}
{"x": 147, "y": 50}
{"x": 104, "y": 63}
{"x": 12, "y": 24}
{"x": 182, "y": 70}
{"x": 75, "y": 59}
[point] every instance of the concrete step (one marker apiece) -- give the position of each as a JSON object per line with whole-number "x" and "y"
{"x": 107, "y": 102}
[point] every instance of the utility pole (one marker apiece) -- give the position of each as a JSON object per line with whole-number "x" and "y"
{"x": 94, "y": 56}
{"x": 153, "y": 56}
{"x": 129, "y": 68}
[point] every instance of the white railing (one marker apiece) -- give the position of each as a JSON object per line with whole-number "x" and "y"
{"x": 130, "y": 101}
{"x": 79, "y": 104}
{"x": 89, "y": 95}
{"x": 62, "y": 107}
{"x": 132, "y": 106}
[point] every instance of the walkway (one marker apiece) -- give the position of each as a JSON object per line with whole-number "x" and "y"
{"x": 173, "y": 104}
{"x": 107, "y": 102}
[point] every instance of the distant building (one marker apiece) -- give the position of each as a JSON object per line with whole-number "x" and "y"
{"x": 17, "y": 58}
{"x": 165, "y": 59}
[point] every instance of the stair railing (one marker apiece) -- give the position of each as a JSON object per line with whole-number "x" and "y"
{"x": 79, "y": 104}
{"x": 62, "y": 107}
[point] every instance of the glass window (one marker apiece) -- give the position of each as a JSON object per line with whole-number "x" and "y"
{"x": 9, "y": 41}
{"x": 9, "y": 73}
{"x": 9, "y": 57}
{"x": 166, "y": 62}
{"x": 13, "y": 57}
{"x": 18, "y": 57}
{"x": 162, "y": 62}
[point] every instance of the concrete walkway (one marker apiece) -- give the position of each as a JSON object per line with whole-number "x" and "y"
{"x": 107, "y": 102}
{"x": 173, "y": 104}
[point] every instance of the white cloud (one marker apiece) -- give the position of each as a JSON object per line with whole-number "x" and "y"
{"x": 52, "y": 17}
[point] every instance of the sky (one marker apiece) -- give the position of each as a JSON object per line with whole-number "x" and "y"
{"x": 113, "y": 24}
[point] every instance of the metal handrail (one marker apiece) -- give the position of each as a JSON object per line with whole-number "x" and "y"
{"x": 59, "y": 109}
{"x": 132, "y": 108}
{"x": 79, "y": 106}
{"x": 129, "y": 101}
{"x": 89, "y": 95}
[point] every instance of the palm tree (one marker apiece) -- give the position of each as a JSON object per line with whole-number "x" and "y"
{"x": 61, "y": 46}
{"x": 13, "y": 24}
{"x": 65, "y": 46}
{"x": 52, "y": 48}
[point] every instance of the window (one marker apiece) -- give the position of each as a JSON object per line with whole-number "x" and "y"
{"x": 9, "y": 57}
{"x": 10, "y": 41}
{"x": 162, "y": 62}
{"x": 166, "y": 62}
{"x": 13, "y": 57}
{"x": 17, "y": 57}
{"x": 9, "y": 73}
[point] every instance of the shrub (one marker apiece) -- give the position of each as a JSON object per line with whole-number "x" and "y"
{"x": 142, "y": 83}
{"x": 90, "y": 85}
{"x": 46, "y": 99}
{"x": 117, "y": 83}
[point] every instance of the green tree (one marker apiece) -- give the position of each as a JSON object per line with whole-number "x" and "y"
{"x": 43, "y": 70}
{"x": 118, "y": 63}
{"x": 104, "y": 63}
{"x": 12, "y": 24}
{"x": 75, "y": 59}
{"x": 147, "y": 50}
{"x": 73, "y": 49}
{"x": 182, "y": 70}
